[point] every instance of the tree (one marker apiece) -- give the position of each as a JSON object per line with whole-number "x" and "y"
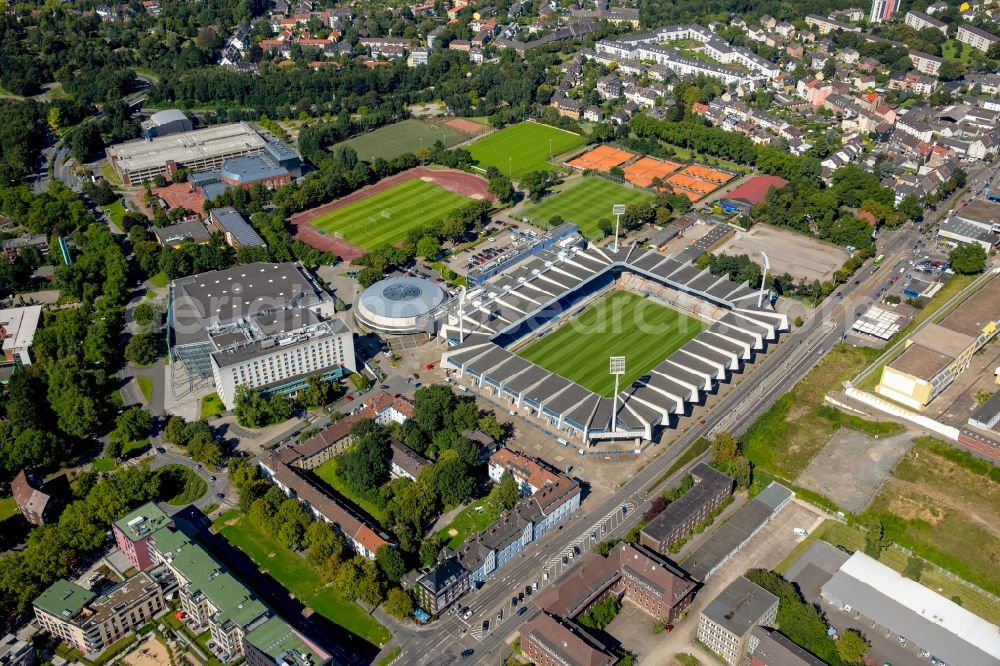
{"x": 143, "y": 349}
{"x": 453, "y": 481}
{"x": 398, "y": 603}
{"x": 852, "y": 647}
{"x": 428, "y": 247}
{"x": 390, "y": 562}
{"x": 911, "y": 208}
{"x": 174, "y": 433}
{"x": 501, "y": 186}
{"x": 605, "y": 226}
{"x": 429, "y": 550}
{"x": 537, "y": 183}
{"x": 85, "y": 141}
{"x": 132, "y": 425}
{"x": 875, "y": 541}
{"x": 147, "y": 314}
{"x": 503, "y": 495}
{"x": 982, "y": 396}
{"x": 829, "y": 69}
{"x": 914, "y": 568}
{"x": 113, "y": 449}
{"x": 725, "y": 447}
{"x": 968, "y": 259}
{"x": 951, "y": 69}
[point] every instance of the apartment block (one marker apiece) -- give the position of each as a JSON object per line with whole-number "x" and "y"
{"x": 90, "y": 622}
{"x": 711, "y": 488}
{"x": 726, "y": 622}
{"x": 976, "y": 38}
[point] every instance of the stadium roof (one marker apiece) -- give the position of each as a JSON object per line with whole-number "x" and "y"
{"x": 942, "y": 627}
{"x": 754, "y": 190}
{"x": 497, "y": 312}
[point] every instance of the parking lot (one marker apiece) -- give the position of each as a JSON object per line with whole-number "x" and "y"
{"x": 504, "y": 239}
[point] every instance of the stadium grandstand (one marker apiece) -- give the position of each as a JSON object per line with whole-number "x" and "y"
{"x": 555, "y": 285}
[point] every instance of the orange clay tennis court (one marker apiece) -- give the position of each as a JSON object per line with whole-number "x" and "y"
{"x": 602, "y": 158}
{"x": 710, "y": 175}
{"x": 685, "y": 182}
{"x": 643, "y": 171}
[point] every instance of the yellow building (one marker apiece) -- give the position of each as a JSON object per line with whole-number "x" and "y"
{"x": 937, "y": 353}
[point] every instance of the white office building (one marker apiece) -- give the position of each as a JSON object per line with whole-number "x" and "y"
{"x": 265, "y": 326}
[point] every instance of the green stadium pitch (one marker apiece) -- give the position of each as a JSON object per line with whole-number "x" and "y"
{"x": 619, "y": 324}
{"x": 407, "y": 136}
{"x": 523, "y": 147}
{"x": 385, "y": 217}
{"x": 585, "y": 204}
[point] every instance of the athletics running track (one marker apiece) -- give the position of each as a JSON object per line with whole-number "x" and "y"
{"x": 459, "y": 182}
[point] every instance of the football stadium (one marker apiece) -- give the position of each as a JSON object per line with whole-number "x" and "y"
{"x": 529, "y": 338}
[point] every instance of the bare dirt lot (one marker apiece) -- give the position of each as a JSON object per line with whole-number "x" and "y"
{"x": 789, "y": 252}
{"x": 852, "y": 467}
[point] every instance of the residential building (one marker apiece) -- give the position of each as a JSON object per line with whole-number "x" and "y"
{"x": 134, "y": 531}
{"x": 211, "y": 597}
{"x": 237, "y": 231}
{"x": 769, "y": 647}
{"x": 482, "y": 556}
{"x": 882, "y": 10}
{"x": 895, "y": 606}
{"x": 629, "y": 571}
{"x": 976, "y": 37}
{"x": 36, "y": 503}
{"x": 711, "y": 487}
{"x": 384, "y": 408}
{"x": 90, "y": 622}
{"x": 530, "y": 473}
{"x": 919, "y": 21}
{"x": 12, "y": 247}
{"x": 926, "y": 63}
{"x": 265, "y": 326}
{"x": 17, "y": 330}
{"x": 288, "y": 468}
{"x": 725, "y": 624}
{"x": 548, "y": 640}
{"x": 404, "y": 461}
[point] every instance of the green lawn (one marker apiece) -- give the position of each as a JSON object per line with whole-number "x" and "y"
{"x": 145, "y": 386}
{"x": 385, "y": 218}
{"x": 8, "y": 507}
{"x": 110, "y": 174}
{"x": 468, "y": 522}
{"x": 137, "y": 445}
{"x": 328, "y": 472}
{"x": 158, "y": 280}
{"x": 193, "y": 487}
{"x": 293, "y": 573}
{"x": 211, "y": 405}
{"x": 103, "y": 464}
{"x": 621, "y": 323}
{"x": 116, "y": 212}
{"x": 585, "y": 204}
{"x": 407, "y": 136}
{"x": 952, "y": 48}
{"x": 945, "y": 512}
{"x": 523, "y": 147}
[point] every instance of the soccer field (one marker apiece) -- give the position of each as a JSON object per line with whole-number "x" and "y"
{"x": 620, "y": 324}
{"x": 407, "y": 136}
{"x": 385, "y": 217}
{"x": 585, "y": 204}
{"x": 526, "y": 144}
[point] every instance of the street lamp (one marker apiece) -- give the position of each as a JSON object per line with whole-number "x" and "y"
{"x": 509, "y": 169}
{"x": 617, "y": 368}
{"x": 763, "y": 279}
{"x": 617, "y": 210}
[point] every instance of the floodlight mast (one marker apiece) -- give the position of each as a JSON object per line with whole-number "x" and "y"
{"x": 617, "y": 368}
{"x": 763, "y": 279}
{"x": 617, "y": 210}
{"x": 461, "y": 315}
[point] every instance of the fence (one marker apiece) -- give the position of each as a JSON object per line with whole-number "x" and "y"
{"x": 944, "y": 572}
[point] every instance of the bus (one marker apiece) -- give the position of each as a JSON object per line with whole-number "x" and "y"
{"x": 878, "y": 260}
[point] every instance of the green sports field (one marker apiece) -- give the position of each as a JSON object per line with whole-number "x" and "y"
{"x": 585, "y": 204}
{"x": 407, "y": 136}
{"x": 385, "y": 217}
{"x": 527, "y": 146}
{"x": 620, "y": 324}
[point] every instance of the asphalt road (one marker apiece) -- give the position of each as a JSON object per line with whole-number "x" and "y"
{"x": 771, "y": 376}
